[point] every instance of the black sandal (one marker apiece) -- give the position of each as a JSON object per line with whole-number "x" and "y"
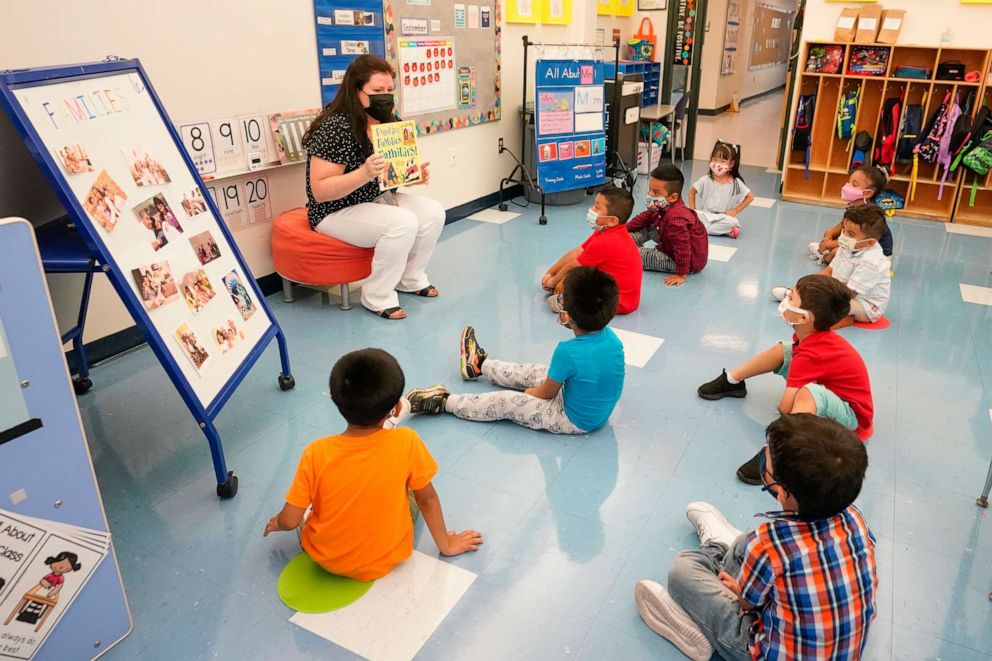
{"x": 425, "y": 292}
{"x": 389, "y": 312}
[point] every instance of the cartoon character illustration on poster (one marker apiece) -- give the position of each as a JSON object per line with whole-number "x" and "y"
{"x": 37, "y": 603}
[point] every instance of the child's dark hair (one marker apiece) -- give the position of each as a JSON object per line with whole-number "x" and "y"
{"x": 826, "y": 298}
{"x": 870, "y": 218}
{"x": 619, "y": 202}
{"x": 877, "y": 178}
{"x": 818, "y": 461}
{"x": 729, "y": 152}
{"x": 671, "y": 175}
{"x": 366, "y": 385}
{"x": 65, "y": 555}
{"x": 590, "y": 298}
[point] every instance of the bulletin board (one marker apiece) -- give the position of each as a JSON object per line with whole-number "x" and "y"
{"x": 345, "y": 30}
{"x": 124, "y": 177}
{"x": 771, "y": 37}
{"x": 447, "y": 60}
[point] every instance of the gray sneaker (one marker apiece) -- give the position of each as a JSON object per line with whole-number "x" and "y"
{"x": 670, "y": 621}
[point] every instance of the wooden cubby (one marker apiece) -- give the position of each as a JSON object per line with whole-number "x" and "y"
{"x": 830, "y": 156}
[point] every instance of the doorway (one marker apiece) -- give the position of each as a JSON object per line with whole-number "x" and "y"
{"x": 682, "y": 61}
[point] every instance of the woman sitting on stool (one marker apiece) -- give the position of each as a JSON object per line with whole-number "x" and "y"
{"x": 343, "y": 190}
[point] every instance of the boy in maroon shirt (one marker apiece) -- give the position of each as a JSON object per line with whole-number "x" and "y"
{"x": 609, "y": 249}
{"x": 824, "y": 374}
{"x": 681, "y": 243}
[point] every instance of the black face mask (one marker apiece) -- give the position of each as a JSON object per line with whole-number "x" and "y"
{"x": 381, "y": 107}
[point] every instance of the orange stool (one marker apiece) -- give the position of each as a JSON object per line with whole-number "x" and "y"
{"x": 303, "y": 256}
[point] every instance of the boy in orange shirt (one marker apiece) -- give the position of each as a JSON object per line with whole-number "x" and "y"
{"x": 357, "y": 481}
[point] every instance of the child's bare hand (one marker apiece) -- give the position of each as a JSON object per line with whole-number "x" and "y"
{"x": 732, "y": 213}
{"x": 729, "y": 582}
{"x": 272, "y": 526}
{"x": 546, "y": 281}
{"x": 460, "y": 542}
{"x": 674, "y": 280}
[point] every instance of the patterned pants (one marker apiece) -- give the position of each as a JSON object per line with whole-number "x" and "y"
{"x": 652, "y": 258}
{"x": 526, "y": 410}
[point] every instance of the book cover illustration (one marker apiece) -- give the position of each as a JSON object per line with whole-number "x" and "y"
{"x": 396, "y": 142}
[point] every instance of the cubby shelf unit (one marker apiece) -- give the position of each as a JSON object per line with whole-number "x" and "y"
{"x": 830, "y": 156}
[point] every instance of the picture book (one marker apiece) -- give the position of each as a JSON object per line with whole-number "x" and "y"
{"x": 397, "y": 143}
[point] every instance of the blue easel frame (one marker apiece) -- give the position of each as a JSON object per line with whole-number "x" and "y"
{"x": 227, "y": 482}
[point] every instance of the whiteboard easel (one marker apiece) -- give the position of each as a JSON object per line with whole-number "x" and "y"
{"x": 106, "y": 144}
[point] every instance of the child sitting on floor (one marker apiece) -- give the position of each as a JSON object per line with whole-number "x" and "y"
{"x": 609, "y": 248}
{"x": 861, "y": 188}
{"x": 681, "y": 243}
{"x": 800, "y": 586}
{"x": 575, "y": 395}
{"x": 722, "y": 194}
{"x": 357, "y": 482}
{"x": 860, "y": 264}
{"x": 823, "y": 373}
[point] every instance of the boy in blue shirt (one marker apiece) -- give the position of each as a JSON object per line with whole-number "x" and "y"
{"x": 575, "y": 395}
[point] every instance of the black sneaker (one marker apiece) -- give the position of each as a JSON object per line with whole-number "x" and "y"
{"x": 750, "y": 472}
{"x": 428, "y": 400}
{"x": 720, "y": 387}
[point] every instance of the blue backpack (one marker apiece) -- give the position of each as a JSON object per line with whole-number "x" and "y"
{"x": 847, "y": 113}
{"x": 802, "y": 131}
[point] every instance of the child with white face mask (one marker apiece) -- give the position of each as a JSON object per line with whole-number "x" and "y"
{"x": 860, "y": 190}
{"x": 721, "y": 195}
{"x": 823, "y": 373}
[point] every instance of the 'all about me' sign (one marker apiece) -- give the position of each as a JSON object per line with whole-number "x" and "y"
{"x": 570, "y": 124}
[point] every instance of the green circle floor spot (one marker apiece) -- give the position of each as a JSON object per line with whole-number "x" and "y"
{"x": 305, "y": 587}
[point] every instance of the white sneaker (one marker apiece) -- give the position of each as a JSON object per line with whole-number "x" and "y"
{"x": 779, "y": 292}
{"x": 670, "y": 621}
{"x": 710, "y": 524}
{"x": 394, "y": 421}
{"x": 814, "y": 251}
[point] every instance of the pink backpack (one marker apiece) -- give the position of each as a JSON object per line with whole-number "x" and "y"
{"x": 946, "y": 154}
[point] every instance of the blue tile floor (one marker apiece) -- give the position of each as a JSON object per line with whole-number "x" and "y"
{"x": 570, "y": 523}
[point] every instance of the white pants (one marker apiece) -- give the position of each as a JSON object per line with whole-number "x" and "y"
{"x": 403, "y": 236}
{"x": 858, "y": 310}
{"x": 717, "y": 224}
{"x": 523, "y": 409}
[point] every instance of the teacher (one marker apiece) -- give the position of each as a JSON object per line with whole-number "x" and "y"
{"x": 343, "y": 197}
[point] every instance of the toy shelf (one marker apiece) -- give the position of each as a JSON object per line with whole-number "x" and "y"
{"x": 830, "y": 156}
{"x": 651, "y": 74}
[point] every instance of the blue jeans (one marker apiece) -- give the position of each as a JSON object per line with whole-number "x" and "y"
{"x": 693, "y": 583}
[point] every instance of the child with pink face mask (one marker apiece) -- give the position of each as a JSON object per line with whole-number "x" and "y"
{"x": 722, "y": 194}
{"x": 861, "y": 188}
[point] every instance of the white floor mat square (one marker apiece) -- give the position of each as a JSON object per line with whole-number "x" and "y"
{"x": 637, "y": 347}
{"x": 494, "y": 216}
{"x": 398, "y": 614}
{"x": 968, "y": 230}
{"x": 719, "y": 253}
{"x": 975, "y": 294}
{"x": 764, "y": 202}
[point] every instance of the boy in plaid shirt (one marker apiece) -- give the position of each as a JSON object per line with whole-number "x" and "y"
{"x": 681, "y": 243}
{"x": 800, "y": 586}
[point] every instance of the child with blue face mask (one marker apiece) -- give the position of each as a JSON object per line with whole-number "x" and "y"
{"x": 681, "y": 245}
{"x": 609, "y": 248}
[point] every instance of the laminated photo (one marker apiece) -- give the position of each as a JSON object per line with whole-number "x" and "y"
{"x": 105, "y": 201}
{"x": 205, "y": 247}
{"x": 197, "y": 290}
{"x": 156, "y": 216}
{"x": 155, "y": 284}
{"x": 192, "y": 347}
{"x": 193, "y": 203}
{"x": 239, "y": 294}
{"x": 227, "y": 336}
{"x": 75, "y": 160}
{"x": 145, "y": 168}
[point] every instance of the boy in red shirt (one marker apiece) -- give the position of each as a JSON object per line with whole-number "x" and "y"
{"x": 681, "y": 243}
{"x": 357, "y": 481}
{"x": 609, "y": 249}
{"x": 823, "y": 373}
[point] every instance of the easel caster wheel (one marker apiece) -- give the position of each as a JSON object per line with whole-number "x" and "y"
{"x": 502, "y": 206}
{"x": 81, "y": 386}
{"x": 286, "y": 382}
{"x": 228, "y": 489}
{"x": 982, "y": 502}
{"x": 543, "y": 220}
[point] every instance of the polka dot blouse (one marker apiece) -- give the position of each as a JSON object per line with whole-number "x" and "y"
{"x": 334, "y": 142}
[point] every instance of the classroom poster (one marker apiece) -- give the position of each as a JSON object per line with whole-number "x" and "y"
{"x": 427, "y": 73}
{"x": 685, "y": 20}
{"x": 570, "y": 119}
{"x": 396, "y": 142}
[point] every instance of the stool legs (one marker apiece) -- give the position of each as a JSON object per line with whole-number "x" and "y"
{"x": 287, "y": 291}
{"x": 345, "y": 297}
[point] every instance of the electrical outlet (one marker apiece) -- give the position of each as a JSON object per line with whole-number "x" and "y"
{"x": 451, "y": 157}
{"x": 501, "y": 145}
